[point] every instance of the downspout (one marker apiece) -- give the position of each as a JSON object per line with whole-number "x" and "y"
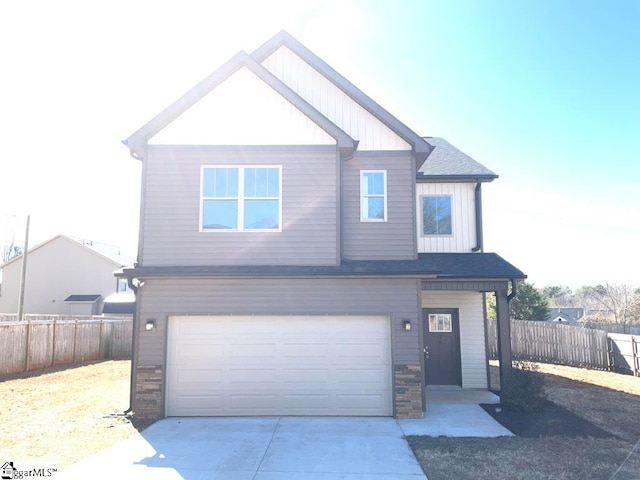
{"x": 478, "y": 202}
{"x": 134, "y": 337}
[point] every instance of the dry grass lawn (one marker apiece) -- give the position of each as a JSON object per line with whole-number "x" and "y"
{"x": 610, "y": 401}
{"x": 59, "y": 416}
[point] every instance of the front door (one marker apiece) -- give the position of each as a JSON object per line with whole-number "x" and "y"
{"x": 441, "y": 347}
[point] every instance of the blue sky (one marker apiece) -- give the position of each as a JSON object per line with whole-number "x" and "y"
{"x": 545, "y": 93}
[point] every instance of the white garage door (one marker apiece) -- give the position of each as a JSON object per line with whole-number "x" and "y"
{"x": 257, "y": 365}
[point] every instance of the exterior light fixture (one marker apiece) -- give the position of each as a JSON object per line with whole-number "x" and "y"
{"x": 407, "y": 324}
{"x": 150, "y": 325}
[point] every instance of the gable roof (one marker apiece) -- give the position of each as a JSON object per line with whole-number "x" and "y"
{"x": 137, "y": 141}
{"x": 421, "y": 148}
{"x": 446, "y": 161}
{"x": 111, "y": 253}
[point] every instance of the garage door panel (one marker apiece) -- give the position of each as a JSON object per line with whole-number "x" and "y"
{"x": 278, "y": 366}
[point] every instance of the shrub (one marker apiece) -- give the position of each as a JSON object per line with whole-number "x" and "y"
{"x": 523, "y": 388}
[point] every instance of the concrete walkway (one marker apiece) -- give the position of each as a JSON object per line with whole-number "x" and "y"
{"x": 279, "y": 448}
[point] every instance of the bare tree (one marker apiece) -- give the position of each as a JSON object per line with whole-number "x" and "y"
{"x": 622, "y": 302}
{"x": 9, "y": 250}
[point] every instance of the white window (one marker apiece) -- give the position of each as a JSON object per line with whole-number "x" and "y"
{"x": 123, "y": 286}
{"x": 436, "y": 215}
{"x": 440, "y": 322}
{"x": 241, "y": 199}
{"x": 373, "y": 195}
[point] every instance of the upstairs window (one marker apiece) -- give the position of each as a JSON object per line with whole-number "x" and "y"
{"x": 241, "y": 199}
{"x": 373, "y": 195}
{"x": 436, "y": 215}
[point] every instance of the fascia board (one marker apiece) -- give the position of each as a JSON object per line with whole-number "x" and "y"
{"x": 137, "y": 141}
{"x": 421, "y": 147}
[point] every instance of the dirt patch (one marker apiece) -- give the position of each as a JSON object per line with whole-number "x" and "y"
{"x": 58, "y": 416}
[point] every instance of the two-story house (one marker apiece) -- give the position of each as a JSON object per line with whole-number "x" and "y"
{"x": 303, "y": 252}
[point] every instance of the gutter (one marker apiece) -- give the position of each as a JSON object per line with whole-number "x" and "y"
{"x": 478, "y": 205}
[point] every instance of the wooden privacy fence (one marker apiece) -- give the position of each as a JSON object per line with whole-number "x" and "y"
{"x": 34, "y": 344}
{"x": 554, "y": 343}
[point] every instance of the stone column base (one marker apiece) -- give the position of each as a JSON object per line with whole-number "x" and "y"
{"x": 148, "y": 397}
{"x": 407, "y": 384}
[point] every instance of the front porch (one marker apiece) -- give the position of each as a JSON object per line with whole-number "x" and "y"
{"x": 455, "y": 412}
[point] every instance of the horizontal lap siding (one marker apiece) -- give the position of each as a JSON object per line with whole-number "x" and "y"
{"x": 171, "y": 233}
{"x": 397, "y": 298}
{"x": 472, "y": 333}
{"x": 390, "y": 240}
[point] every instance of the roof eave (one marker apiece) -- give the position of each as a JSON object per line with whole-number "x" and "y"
{"x": 423, "y": 178}
{"x": 138, "y": 140}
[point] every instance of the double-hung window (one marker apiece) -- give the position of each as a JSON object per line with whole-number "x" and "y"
{"x": 373, "y": 195}
{"x": 241, "y": 199}
{"x": 436, "y": 215}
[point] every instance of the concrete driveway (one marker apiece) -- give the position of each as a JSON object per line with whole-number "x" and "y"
{"x": 259, "y": 448}
{"x": 278, "y": 448}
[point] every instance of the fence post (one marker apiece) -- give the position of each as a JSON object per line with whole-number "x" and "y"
{"x": 26, "y": 350}
{"x": 636, "y": 359}
{"x": 53, "y": 344}
{"x": 75, "y": 334}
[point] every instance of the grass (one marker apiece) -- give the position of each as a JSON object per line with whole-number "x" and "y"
{"x": 608, "y": 400}
{"x": 58, "y": 416}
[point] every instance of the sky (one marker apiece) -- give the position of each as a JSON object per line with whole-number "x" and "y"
{"x": 545, "y": 93}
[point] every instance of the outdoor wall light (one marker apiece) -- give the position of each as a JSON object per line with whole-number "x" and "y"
{"x": 150, "y": 325}
{"x": 407, "y": 324}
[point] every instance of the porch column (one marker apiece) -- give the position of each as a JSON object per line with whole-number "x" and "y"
{"x": 504, "y": 333}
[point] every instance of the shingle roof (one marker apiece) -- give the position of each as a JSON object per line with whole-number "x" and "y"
{"x": 446, "y": 160}
{"x": 433, "y": 265}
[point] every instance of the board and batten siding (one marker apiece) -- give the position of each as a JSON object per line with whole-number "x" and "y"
{"x": 472, "y": 332}
{"x": 332, "y": 102}
{"x": 393, "y": 239}
{"x": 242, "y": 110}
{"x": 171, "y": 212}
{"x": 463, "y": 218}
{"x": 396, "y": 298}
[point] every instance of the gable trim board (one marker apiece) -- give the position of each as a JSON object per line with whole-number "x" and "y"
{"x": 137, "y": 141}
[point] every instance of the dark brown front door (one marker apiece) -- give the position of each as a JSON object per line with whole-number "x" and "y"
{"x": 441, "y": 347}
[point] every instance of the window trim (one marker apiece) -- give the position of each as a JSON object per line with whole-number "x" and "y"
{"x": 240, "y": 198}
{"x": 362, "y": 197}
{"x": 421, "y": 205}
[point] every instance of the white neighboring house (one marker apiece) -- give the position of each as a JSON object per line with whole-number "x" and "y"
{"x": 65, "y": 276}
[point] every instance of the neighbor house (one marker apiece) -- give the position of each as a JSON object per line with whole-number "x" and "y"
{"x": 64, "y": 276}
{"x": 303, "y": 252}
{"x": 567, "y": 315}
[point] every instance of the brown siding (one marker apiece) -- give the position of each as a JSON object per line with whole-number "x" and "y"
{"x": 390, "y": 240}
{"x": 397, "y": 298}
{"x": 170, "y": 220}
